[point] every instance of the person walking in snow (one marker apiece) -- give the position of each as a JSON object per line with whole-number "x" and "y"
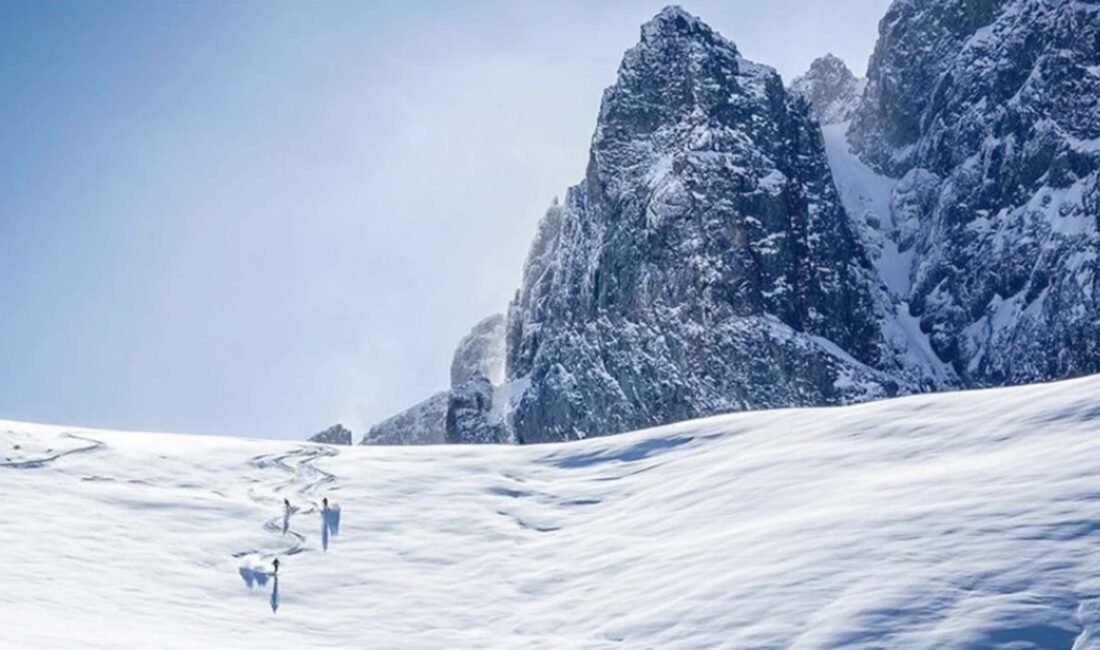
{"x": 275, "y": 563}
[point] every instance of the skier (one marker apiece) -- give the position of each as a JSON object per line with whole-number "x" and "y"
{"x": 286, "y": 515}
{"x": 275, "y": 563}
{"x": 324, "y": 503}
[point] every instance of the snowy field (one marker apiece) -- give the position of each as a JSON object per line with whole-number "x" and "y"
{"x": 962, "y": 520}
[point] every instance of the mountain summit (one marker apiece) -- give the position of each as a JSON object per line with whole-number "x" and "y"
{"x": 736, "y": 245}
{"x": 704, "y": 264}
{"x": 831, "y": 88}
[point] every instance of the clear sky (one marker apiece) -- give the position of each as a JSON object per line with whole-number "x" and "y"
{"x": 262, "y": 218}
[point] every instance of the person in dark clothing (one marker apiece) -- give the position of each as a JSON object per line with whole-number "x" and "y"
{"x": 275, "y": 563}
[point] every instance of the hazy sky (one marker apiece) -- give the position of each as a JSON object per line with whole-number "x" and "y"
{"x": 261, "y": 218}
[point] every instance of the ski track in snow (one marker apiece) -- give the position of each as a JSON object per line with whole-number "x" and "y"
{"x": 953, "y": 520}
{"x": 303, "y": 481}
{"x": 50, "y": 456}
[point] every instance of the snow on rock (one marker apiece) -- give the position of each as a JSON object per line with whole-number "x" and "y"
{"x": 337, "y": 434}
{"x": 725, "y": 251}
{"x": 986, "y": 113}
{"x": 479, "y": 355}
{"x": 480, "y": 352}
{"x": 705, "y": 263}
{"x": 886, "y": 232}
{"x": 422, "y": 424}
{"x": 470, "y": 414}
{"x": 831, "y": 89}
{"x": 948, "y": 521}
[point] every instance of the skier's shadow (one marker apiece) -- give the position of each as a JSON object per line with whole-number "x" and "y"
{"x": 254, "y": 577}
{"x": 330, "y": 524}
{"x": 275, "y": 594}
{"x": 258, "y": 577}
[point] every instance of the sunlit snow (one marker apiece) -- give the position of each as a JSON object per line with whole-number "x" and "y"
{"x": 954, "y": 520}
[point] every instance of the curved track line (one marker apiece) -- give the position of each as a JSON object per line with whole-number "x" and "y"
{"x": 35, "y": 463}
{"x": 302, "y": 479}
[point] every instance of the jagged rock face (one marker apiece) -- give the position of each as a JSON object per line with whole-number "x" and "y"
{"x": 422, "y": 424}
{"x": 918, "y": 41}
{"x": 479, "y": 356}
{"x": 990, "y": 114}
{"x": 705, "y": 263}
{"x": 470, "y": 417}
{"x": 480, "y": 352}
{"x": 831, "y": 89}
{"x": 334, "y": 435}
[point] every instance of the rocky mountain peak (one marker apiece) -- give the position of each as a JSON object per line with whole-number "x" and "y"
{"x": 481, "y": 352}
{"x": 831, "y": 89}
{"x": 673, "y": 23}
{"x": 706, "y": 229}
{"x": 337, "y": 434}
{"x": 726, "y": 251}
{"x": 681, "y": 72}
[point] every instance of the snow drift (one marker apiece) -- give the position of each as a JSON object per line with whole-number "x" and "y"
{"x": 952, "y": 520}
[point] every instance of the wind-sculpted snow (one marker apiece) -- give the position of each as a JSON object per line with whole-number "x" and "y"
{"x": 986, "y": 113}
{"x": 944, "y": 521}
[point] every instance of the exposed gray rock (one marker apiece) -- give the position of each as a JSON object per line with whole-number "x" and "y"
{"x": 334, "y": 435}
{"x": 989, "y": 114}
{"x": 480, "y": 356}
{"x": 705, "y": 263}
{"x": 480, "y": 352}
{"x": 470, "y": 417}
{"x": 831, "y": 89}
{"x": 422, "y": 424}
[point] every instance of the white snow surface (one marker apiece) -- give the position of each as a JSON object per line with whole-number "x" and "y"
{"x": 867, "y": 198}
{"x": 951, "y": 520}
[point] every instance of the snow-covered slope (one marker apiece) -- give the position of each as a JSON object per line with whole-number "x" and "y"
{"x": 953, "y": 520}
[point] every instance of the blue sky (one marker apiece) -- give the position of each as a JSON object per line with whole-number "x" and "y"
{"x": 261, "y": 218}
